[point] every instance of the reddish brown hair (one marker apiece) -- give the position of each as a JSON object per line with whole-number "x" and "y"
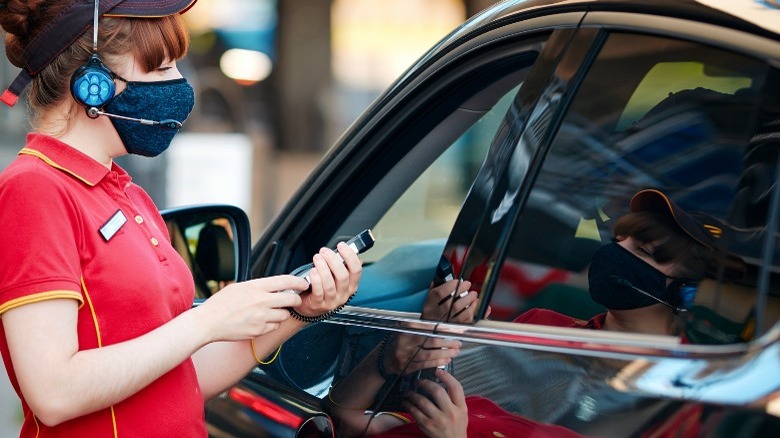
{"x": 672, "y": 244}
{"x": 151, "y": 41}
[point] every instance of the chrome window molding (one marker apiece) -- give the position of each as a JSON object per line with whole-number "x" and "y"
{"x": 615, "y": 345}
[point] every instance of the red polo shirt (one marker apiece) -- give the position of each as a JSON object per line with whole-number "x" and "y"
{"x": 553, "y": 318}
{"x": 486, "y": 419}
{"x": 63, "y": 236}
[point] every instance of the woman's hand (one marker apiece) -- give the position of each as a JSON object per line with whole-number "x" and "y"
{"x": 439, "y": 304}
{"x": 445, "y": 414}
{"x": 409, "y": 353}
{"x": 332, "y": 281}
{"x": 248, "y": 309}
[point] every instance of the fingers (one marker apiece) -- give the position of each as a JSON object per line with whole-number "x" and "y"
{"x": 273, "y": 284}
{"x": 431, "y": 358}
{"x": 453, "y": 387}
{"x": 463, "y": 309}
{"x": 322, "y": 282}
{"x": 441, "y": 343}
{"x": 354, "y": 266}
{"x": 334, "y": 271}
{"x": 451, "y": 301}
{"x": 335, "y": 275}
{"x": 250, "y": 308}
{"x": 428, "y": 407}
{"x": 334, "y": 278}
{"x": 410, "y": 355}
{"x": 447, "y": 290}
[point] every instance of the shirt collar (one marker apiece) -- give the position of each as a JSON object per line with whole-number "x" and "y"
{"x": 68, "y": 159}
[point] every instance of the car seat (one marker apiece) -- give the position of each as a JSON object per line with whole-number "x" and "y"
{"x": 215, "y": 254}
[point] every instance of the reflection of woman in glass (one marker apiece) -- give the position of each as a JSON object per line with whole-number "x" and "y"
{"x": 645, "y": 277}
{"x": 444, "y": 411}
{"x": 658, "y": 250}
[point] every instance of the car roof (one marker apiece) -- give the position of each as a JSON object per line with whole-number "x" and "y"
{"x": 759, "y": 17}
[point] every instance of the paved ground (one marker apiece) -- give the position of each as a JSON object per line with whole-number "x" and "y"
{"x": 9, "y": 408}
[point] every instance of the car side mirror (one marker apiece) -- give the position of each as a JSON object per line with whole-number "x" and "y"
{"x": 214, "y": 242}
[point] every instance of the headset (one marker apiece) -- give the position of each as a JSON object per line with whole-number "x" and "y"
{"x": 683, "y": 290}
{"x": 92, "y": 86}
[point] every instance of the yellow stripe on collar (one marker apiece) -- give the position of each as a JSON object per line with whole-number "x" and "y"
{"x": 47, "y": 160}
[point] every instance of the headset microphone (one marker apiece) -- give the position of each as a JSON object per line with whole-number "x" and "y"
{"x": 92, "y": 85}
{"x": 624, "y": 282}
{"x": 167, "y": 124}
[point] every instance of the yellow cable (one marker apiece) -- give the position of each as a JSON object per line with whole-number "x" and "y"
{"x": 342, "y": 406}
{"x": 252, "y": 344}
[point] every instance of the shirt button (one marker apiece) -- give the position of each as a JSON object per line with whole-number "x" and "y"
{"x": 139, "y": 219}
{"x": 155, "y": 242}
{"x": 498, "y": 434}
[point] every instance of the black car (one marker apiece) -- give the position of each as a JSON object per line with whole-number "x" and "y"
{"x": 505, "y": 154}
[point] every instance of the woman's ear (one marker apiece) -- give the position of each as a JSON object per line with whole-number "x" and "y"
{"x": 620, "y": 238}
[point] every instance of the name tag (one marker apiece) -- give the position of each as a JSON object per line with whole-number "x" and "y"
{"x": 113, "y": 225}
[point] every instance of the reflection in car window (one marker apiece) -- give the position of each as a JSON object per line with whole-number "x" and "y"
{"x": 432, "y": 202}
{"x": 415, "y": 201}
{"x": 430, "y": 184}
{"x": 682, "y": 119}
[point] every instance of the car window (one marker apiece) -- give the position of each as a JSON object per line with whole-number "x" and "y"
{"x": 689, "y": 121}
{"x": 411, "y": 208}
{"x": 427, "y": 188}
{"x": 434, "y": 199}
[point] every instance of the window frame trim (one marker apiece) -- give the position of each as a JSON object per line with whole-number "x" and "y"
{"x": 728, "y": 39}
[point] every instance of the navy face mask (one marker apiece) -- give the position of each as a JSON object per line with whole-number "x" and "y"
{"x": 159, "y": 100}
{"x": 615, "y": 274}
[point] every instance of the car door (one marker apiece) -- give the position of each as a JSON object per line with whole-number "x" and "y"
{"x": 403, "y": 170}
{"x": 665, "y": 104}
{"x": 492, "y": 154}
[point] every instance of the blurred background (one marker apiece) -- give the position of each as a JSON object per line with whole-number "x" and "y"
{"x": 276, "y": 82}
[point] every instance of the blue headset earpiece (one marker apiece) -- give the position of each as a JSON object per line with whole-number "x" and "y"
{"x": 92, "y": 84}
{"x": 683, "y": 292}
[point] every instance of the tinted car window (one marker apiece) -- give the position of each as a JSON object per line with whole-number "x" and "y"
{"x": 660, "y": 113}
{"x": 411, "y": 210}
{"x": 432, "y": 202}
{"x": 429, "y": 186}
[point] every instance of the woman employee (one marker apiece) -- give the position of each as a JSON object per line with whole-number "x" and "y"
{"x": 98, "y": 335}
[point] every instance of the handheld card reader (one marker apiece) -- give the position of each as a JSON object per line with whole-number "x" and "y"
{"x": 361, "y": 243}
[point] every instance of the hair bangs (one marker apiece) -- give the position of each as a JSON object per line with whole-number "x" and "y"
{"x": 157, "y": 40}
{"x": 670, "y": 242}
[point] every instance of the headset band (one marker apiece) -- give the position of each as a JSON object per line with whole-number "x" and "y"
{"x": 74, "y": 19}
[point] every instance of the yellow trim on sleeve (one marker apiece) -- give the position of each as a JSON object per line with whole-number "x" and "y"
{"x": 396, "y": 415}
{"x": 41, "y": 296}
